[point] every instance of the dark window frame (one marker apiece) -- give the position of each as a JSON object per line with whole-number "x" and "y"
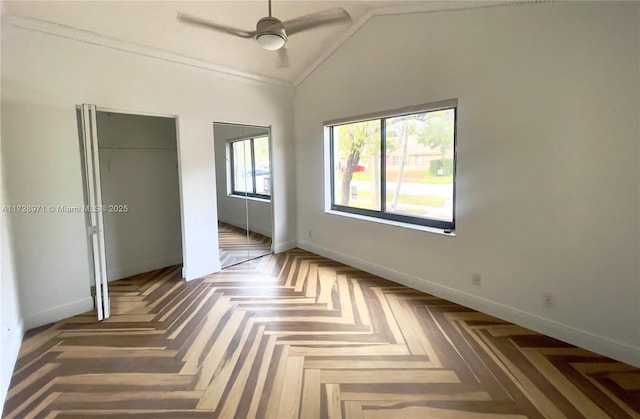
{"x": 447, "y": 226}
{"x": 253, "y": 193}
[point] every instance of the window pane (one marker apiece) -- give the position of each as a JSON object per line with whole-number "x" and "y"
{"x": 242, "y": 166}
{"x": 419, "y": 164}
{"x": 263, "y": 166}
{"x": 356, "y": 160}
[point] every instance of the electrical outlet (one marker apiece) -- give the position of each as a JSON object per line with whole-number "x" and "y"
{"x": 310, "y": 234}
{"x": 476, "y": 280}
{"x": 548, "y": 300}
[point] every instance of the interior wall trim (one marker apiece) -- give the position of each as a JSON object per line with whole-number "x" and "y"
{"x": 241, "y": 224}
{"x": 284, "y": 246}
{"x": 202, "y": 270}
{"x": 78, "y": 35}
{"x": 613, "y": 349}
{"x": 143, "y": 266}
{"x": 67, "y": 32}
{"x": 58, "y": 313}
{"x": 11, "y": 343}
{"x": 422, "y": 7}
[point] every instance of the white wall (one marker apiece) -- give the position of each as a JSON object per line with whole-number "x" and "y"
{"x": 11, "y": 326}
{"x": 233, "y": 209}
{"x": 45, "y": 73}
{"x": 548, "y": 167}
{"x": 139, "y": 169}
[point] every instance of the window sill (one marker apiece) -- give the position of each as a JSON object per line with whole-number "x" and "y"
{"x": 250, "y": 198}
{"x": 392, "y": 223}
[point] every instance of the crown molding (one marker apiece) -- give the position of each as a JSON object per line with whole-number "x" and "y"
{"x": 422, "y": 7}
{"x": 87, "y": 37}
{"x": 91, "y": 38}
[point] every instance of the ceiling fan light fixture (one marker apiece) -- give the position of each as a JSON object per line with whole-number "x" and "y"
{"x": 270, "y": 41}
{"x": 270, "y": 33}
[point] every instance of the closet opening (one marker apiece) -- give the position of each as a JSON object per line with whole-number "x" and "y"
{"x": 132, "y": 199}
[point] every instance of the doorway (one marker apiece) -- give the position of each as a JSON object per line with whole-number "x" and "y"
{"x": 244, "y": 191}
{"x": 132, "y": 196}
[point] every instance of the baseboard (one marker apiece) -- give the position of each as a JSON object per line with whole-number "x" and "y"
{"x": 58, "y": 313}
{"x": 189, "y": 273}
{"x": 284, "y": 246}
{"x": 581, "y": 338}
{"x": 126, "y": 271}
{"x": 261, "y": 231}
{"x": 242, "y": 224}
{"x": 10, "y": 350}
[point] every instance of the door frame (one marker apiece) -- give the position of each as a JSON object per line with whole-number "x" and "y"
{"x": 269, "y": 127}
{"x": 88, "y": 188}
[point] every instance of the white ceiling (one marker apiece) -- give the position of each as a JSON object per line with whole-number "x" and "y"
{"x": 153, "y": 24}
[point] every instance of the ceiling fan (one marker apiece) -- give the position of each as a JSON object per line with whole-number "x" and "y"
{"x": 271, "y": 33}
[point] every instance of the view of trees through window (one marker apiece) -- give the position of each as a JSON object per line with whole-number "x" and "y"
{"x": 251, "y": 173}
{"x": 400, "y": 167}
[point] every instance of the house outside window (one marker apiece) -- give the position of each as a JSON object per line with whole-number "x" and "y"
{"x": 398, "y": 165}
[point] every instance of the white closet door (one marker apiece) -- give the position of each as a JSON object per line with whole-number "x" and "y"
{"x": 94, "y": 202}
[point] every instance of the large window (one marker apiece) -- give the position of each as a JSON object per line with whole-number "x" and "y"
{"x": 399, "y": 165}
{"x": 250, "y": 167}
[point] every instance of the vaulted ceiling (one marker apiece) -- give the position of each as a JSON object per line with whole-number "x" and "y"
{"x": 153, "y": 24}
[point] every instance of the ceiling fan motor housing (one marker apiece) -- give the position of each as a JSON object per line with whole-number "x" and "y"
{"x": 270, "y": 33}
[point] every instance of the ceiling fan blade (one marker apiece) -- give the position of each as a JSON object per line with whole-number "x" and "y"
{"x": 313, "y": 20}
{"x": 283, "y": 58}
{"x": 215, "y": 26}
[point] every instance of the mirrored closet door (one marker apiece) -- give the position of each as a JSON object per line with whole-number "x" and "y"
{"x": 243, "y": 177}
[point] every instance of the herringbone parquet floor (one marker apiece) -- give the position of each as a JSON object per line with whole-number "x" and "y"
{"x": 236, "y": 246}
{"x": 298, "y": 335}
